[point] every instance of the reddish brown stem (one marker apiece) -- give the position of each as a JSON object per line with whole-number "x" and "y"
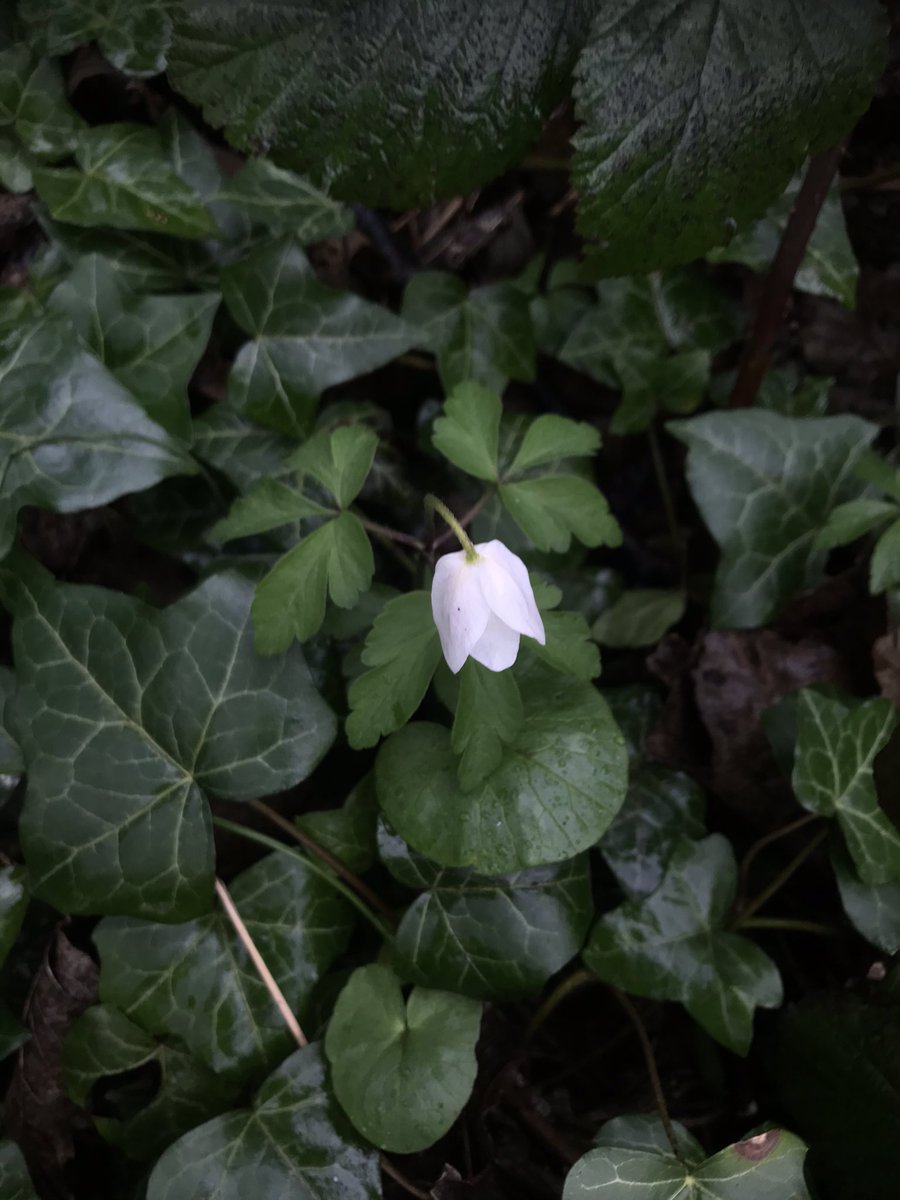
{"x": 779, "y": 282}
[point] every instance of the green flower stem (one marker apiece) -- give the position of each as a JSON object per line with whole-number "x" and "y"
{"x": 467, "y": 519}
{"x": 740, "y": 918}
{"x": 767, "y": 840}
{"x": 788, "y": 923}
{"x": 564, "y": 989}
{"x": 463, "y": 538}
{"x": 270, "y": 843}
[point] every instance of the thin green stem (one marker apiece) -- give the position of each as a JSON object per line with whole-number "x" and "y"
{"x": 462, "y": 537}
{"x": 789, "y": 923}
{"x": 263, "y": 839}
{"x": 564, "y": 989}
{"x": 662, "y": 482}
{"x": 740, "y": 918}
{"x": 467, "y": 518}
{"x": 757, "y": 847}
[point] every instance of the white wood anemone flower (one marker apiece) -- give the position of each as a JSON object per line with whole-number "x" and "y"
{"x": 483, "y": 602}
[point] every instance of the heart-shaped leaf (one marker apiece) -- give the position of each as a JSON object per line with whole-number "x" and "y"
{"x": 873, "y": 909}
{"x": 15, "y": 1182}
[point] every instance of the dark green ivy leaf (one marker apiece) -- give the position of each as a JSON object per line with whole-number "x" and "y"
{"x": 133, "y": 36}
{"x": 873, "y": 909}
{"x": 15, "y": 1182}
{"x": 33, "y": 102}
{"x": 283, "y": 202}
{"x": 10, "y": 755}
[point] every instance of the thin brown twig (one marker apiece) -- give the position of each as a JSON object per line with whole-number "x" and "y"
{"x": 393, "y": 535}
{"x": 779, "y": 282}
{"x": 313, "y": 847}
{"x": 259, "y": 963}
{"x": 652, "y": 1070}
{"x": 774, "y": 836}
{"x": 398, "y": 1177}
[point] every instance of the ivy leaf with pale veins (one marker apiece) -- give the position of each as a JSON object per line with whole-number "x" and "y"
{"x": 134, "y": 37}
{"x": 872, "y": 909}
{"x": 33, "y": 102}
{"x": 283, "y": 202}
{"x": 127, "y": 717}
{"x": 295, "y": 1139}
{"x": 195, "y": 981}
{"x": 15, "y": 1182}
{"x": 492, "y": 937}
{"x": 674, "y": 945}
{"x": 672, "y": 97}
{"x": 765, "y": 485}
{"x": 484, "y": 336}
{"x": 71, "y": 436}
{"x": 150, "y": 343}
{"x": 554, "y": 794}
{"x": 401, "y": 653}
{"x": 11, "y": 763}
{"x": 397, "y": 103}
{"x": 837, "y": 742}
{"x": 305, "y": 337}
{"x": 402, "y": 1069}
{"x": 103, "y": 1043}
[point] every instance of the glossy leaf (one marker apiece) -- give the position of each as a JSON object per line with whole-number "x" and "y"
{"x": 304, "y": 337}
{"x": 550, "y": 438}
{"x": 10, "y": 755}
{"x": 240, "y": 450}
{"x": 484, "y": 336}
{"x": 104, "y": 1043}
{"x": 134, "y": 37}
{"x": 295, "y": 1139}
{"x": 873, "y": 909}
{"x": 854, "y": 520}
{"x": 401, "y": 1069}
{"x": 33, "y": 102}
{"x": 492, "y": 937}
{"x": 395, "y": 104}
{"x": 468, "y": 433}
{"x": 765, "y": 485}
{"x": 269, "y": 504}
{"x": 15, "y": 1182}
{"x": 125, "y": 180}
{"x": 672, "y": 97}
{"x": 71, "y": 436}
{"x": 884, "y": 572}
{"x": 339, "y": 459}
{"x": 568, "y": 647}
{"x": 675, "y": 945}
{"x": 554, "y": 794}
{"x": 639, "y": 617}
{"x": 13, "y": 902}
{"x": 553, "y": 509}
{"x": 127, "y": 716}
{"x": 284, "y": 202}
{"x": 195, "y": 981}
{"x": 401, "y": 654}
{"x": 488, "y": 718}
{"x": 837, "y": 742}
{"x": 347, "y": 832}
{"x": 150, "y": 343}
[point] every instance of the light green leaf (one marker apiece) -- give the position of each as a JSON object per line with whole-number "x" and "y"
{"x": 15, "y": 1182}
{"x": 335, "y": 560}
{"x": 347, "y": 832}
{"x": 125, "y": 180}
{"x": 492, "y": 937}
{"x": 401, "y": 1069}
{"x": 102, "y": 1043}
{"x": 134, "y": 37}
{"x": 671, "y": 97}
{"x": 468, "y": 433}
{"x": 304, "y": 337}
{"x": 241, "y": 451}
{"x": 71, "y": 437}
{"x": 873, "y": 909}
{"x": 295, "y": 1139}
{"x": 33, "y": 101}
{"x": 484, "y": 336}
{"x": 285, "y": 203}
{"x": 150, "y": 343}
{"x": 639, "y": 617}
{"x": 884, "y": 572}
{"x": 854, "y": 520}
{"x": 553, "y": 509}
{"x": 401, "y": 652}
{"x": 883, "y": 475}
{"x": 195, "y": 981}
{"x": 395, "y": 104}
{"x": 837, "y": 742}
{"x": 127, "y": 715}
{"x": 568, "y": 647}
{"x": 765, "y": 485}
{"x": 675, "y": 945}
{"x": 550, "y": 438}
{"x": 488, "y": 718}
{"x": 339, "y": 459}
{"x": 554, "y": 794}
{"x": 269, "y": 504}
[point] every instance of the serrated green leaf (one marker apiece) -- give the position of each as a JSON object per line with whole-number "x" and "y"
{"x": 195, "y": 981}
{"x": 568, "y": 647}
{"x": 672, "y": 97}
{"x": 550, "y": 438}
{"x": 639, "y": 617}
{"x": 71, "y": 437}
{"x": 484, "y": 336}
{"x": 295, "y": 1139}
{"x": 401, "y": 1069}
{"x": 468, "y": 433}
{"x": 488, "y": 717}
{"x": 884, "y": 572}
{"x": 134, "y": 37}
{"x": 127, "y": 715}
{"x": 555, "y": 793}
{"x": 873, "y": 909}
{"x": 396, "y": 105}
{"x": 853, "y": 520}
{"x": 492, "y": 937}
{"x": 242, "y": 451}
{"x": 401, "y": 652}
{"x": 305, "y": 337}
{"x": 553, "y": 509}
{"x": 150, "y": 343}
{"x": 269, "y": 504}
{"x": 104, "y": 1043}
{"x": 837, "y": 742}
{"x": 661, "y": 809}
{"x": 284, "y": 202}
{"x": 15, "y": 1182}
{"x": 347, "y": 832}
{"x": 765, "y": 485}
{"x": 125, "y": 180}
{"x": 674, "y": 945}
{"x": 873, "y": 469}
{"x": 761, "y": 1167}
{"x": 334, "y": 561}
{"x": 340, "y": 459}
{"x": 33, "y": 102}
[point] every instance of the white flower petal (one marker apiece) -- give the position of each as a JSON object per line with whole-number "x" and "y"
{"x": 508, "y": 590}
{"x": 497, "y": 647}
{"x": 459, "y": 609}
